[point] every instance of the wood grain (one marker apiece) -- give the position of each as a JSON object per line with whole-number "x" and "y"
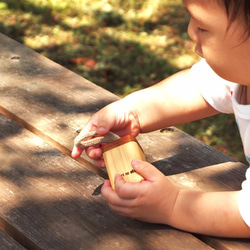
{"x": 118, "y": 156}
{"x": 46, "y": 197}
{"x": 46, "y": 202}
{"x": 7, "y": 243}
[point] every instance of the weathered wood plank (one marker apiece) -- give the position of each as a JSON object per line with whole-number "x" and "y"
{"x": 45, "y": 97}
{"x": 226, "y": 244}
{"x": 7, "y": 243}
{"x": 46, "y": 202}
{"x": 53, "y": 102}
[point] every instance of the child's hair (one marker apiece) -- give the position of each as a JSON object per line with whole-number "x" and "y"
{"x": 238, "y": 8}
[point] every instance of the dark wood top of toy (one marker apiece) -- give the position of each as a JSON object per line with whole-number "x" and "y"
{"x": 50, "y": 201}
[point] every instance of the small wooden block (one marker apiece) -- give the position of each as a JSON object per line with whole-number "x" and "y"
{"x": 118, "y": 156}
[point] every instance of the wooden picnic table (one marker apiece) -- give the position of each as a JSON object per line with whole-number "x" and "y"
{"x": 50, "y": 201}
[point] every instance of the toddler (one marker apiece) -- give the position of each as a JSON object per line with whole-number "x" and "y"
{"x": 220, "y": 82}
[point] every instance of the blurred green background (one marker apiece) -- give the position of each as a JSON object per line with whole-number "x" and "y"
{"x": 122, "y": 46}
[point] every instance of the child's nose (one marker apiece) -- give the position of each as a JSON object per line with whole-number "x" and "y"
{"x": 192, "y": 31}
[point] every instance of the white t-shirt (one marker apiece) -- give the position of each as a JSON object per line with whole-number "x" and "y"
{"x": 224, "y": 96}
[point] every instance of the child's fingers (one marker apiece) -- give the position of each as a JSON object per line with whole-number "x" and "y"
{"x": 76, "y": 152}
{"x": 100, "y": 163}
{"x": 94, "y": 152}
{"x": 146, "y": 170}
{"x": 128, "y": 191}
{"x": 111, "y": 196}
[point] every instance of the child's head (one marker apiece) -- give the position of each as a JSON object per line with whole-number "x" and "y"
{"x": 219, "y": 29}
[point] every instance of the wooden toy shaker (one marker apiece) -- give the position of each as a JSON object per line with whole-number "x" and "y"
{"x": 118, "y": 154}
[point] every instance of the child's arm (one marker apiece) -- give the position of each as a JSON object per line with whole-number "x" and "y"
{"x": 210, "y": 213}
{"x": 173, "y": 101}
{"x": 157, "y": 200}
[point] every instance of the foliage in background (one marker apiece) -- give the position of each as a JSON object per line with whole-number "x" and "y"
{"x": 120, "y": 45}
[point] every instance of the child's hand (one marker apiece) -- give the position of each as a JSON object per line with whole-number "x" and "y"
{"x": 151, "y": 200}
{"x": 117, "y": 117}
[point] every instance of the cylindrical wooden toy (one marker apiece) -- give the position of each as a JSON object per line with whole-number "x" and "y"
{"x": 118, "y": 156}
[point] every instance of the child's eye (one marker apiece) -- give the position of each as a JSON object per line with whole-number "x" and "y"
{"x": 201, "y": 30}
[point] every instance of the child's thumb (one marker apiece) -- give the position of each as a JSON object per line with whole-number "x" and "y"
{"x": 145, "y": 169}
{"x": 105, "y": 122}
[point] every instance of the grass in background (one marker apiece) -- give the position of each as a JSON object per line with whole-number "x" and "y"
{"x": 122, "y": 46}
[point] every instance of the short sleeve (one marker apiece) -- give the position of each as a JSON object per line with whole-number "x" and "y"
{"x": 214, "y": 89}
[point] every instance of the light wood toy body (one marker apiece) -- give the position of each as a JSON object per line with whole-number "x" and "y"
{"x": 118, "y": 156}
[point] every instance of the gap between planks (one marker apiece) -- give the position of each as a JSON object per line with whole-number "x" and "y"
{"x": 52, "y": 142}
